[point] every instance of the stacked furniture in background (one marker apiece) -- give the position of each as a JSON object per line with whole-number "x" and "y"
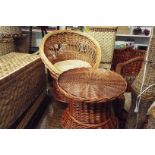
{"x": 22, "y": 82}
{"x": 106, "y": 39}
{"x": 128, "y": 62}
{"x": 14, "y": 40}
{"x": 148, "y": 97}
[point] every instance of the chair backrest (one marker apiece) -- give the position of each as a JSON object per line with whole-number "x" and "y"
{"x": 125, "y": 54}
{"x": 130, "y": 69}
{"x": 61, "y": 45}
{"x": 106, "y": 38}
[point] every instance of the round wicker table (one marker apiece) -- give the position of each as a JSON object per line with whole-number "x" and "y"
{"x": 90, "y": 94}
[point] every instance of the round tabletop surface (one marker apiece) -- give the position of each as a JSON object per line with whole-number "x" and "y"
{"x": 87, "y": 85}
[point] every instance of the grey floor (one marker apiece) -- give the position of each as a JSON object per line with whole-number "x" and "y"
{"x": 52, "y": 116}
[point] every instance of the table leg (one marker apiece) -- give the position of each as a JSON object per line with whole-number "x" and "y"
{"x": 89, "y": 116}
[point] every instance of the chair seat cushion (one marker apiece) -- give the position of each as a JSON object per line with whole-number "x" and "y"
{"x": 63, "y": 66}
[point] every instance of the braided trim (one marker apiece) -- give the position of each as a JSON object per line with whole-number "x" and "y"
{"x": 88, "y": 125}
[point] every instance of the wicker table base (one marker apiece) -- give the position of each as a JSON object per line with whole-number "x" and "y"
{"x": 89, "y": 116}
{"x": 90, "y": 94}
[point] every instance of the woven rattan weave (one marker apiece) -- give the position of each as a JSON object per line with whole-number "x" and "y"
{"x": 130, "y": 69}
{"x": 6, "y": 45}
{"x": 63, "y": 45}
{"x": 10, "y": 31}
{"x": 21, "y": 82}
{"x": 125, "y": 54}
{"x": 90, "y": 94}
{"x": 106, "y": 38}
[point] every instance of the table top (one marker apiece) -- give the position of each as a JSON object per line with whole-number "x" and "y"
{"x": 88, "y": 85}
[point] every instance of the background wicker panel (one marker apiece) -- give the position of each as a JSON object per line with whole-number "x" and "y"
{"x": 6, "y": 46}
{"x": 19, "y": 87}
{"x": 107, "y": 42}
{"x": 8, "y": 31}
{"x": 106, "y": 38}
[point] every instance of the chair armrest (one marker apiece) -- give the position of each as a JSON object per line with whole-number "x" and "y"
{"x": 121, "y": 65}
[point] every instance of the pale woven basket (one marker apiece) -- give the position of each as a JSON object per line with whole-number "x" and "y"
{"x": 22, "y": 80}
{"x": 6, "y": 46}
{"x": 106, "y": 38}
{"x": 10, "y": 31}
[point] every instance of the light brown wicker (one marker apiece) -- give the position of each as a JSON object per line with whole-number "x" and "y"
{"x": 148, "y": 95}
{"x": 90, "y": 94}
{"x": 6, "y": 46}
{"x": 10, "y": 31}
{"x": 22, "y": 80}
{"x": 106, "y": 38}
{"x": 63, "y": 45}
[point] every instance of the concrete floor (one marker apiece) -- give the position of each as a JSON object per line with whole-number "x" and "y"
{"x": 52, "y": 116}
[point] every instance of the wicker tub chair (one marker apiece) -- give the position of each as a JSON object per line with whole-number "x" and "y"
{"x": 130, "y": 69}
{"x": 105, "y": 35}
{"x": 62, "y": 50}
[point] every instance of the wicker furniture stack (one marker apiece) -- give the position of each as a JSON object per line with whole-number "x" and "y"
{"x": 90, "y": 94}
{"x": 62, "y": 50}
{"x": 22, "y": 81}
{"x": 12, "y": 39}
{"x": 106, "y": 37}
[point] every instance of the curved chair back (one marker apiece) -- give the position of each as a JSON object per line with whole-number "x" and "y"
{"x": 61, "y": 45}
